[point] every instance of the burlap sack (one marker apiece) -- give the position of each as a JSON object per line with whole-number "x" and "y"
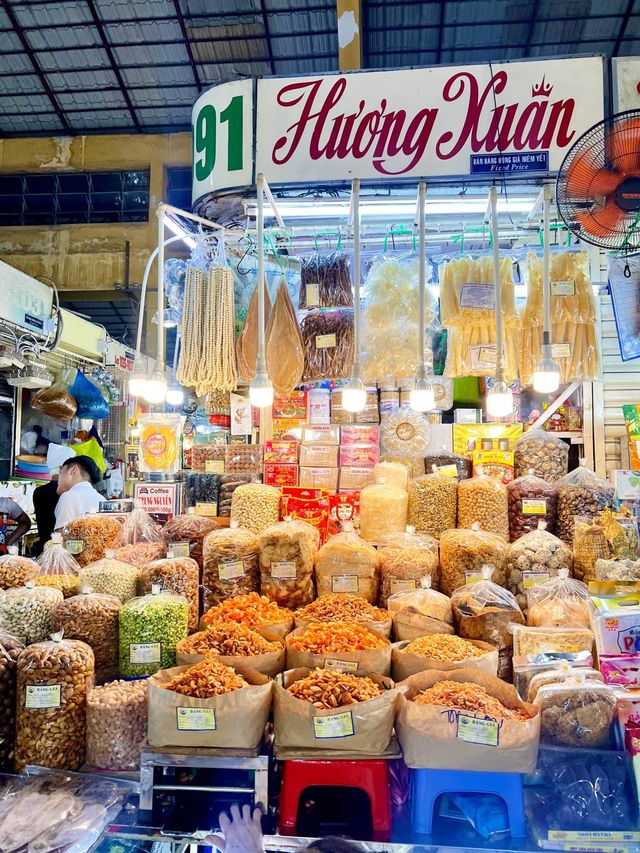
{"x": 232, "y": 720}
{"x": 383, "y": 628}
{"x": 269, "y": 663}
{"x": 369, "y": 660}
{"x": 408, "y": 624}
{"x": 404, "y": 664}
{"x": 364, "y": 727}
{"x": 435, "y": 737}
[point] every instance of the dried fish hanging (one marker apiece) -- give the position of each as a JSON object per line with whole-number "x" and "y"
{"x": 284, "y": 348}
{"x": 573, "y": 319}
{"x": 467, "y": 312}
{"x": 247, "y": 342}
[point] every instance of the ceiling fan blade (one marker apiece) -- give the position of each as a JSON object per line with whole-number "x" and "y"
{"x": 585, "y": 180}
{"x": 600, "y": 222}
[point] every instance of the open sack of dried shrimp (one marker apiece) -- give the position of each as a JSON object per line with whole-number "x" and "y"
{"x": 252, "y": 610}
{"x": 344, "y": 607}
{"x": 443, "y": 652}
{"x": 234, "y": 644}
{"x": 339, "y": 645}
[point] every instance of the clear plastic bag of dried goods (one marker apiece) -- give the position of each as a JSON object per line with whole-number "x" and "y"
{"x": 483, "y": 500}
{"x": 383, "y": 510}
{"x": 287, "y": 554}
{"x": 93, "y": 618}
{"x": 15, "y": 570}
{"x": 464, "y": 552}
{"x": 57, "y": 568}
{"x": 25, "y": 611}
{"x": 347, "y": 563}
{"x": 88, "y": 538}
{"x": 116, "y": 724}
{"x": 56, "y": 401}
{"x": 111, "y": 576}
{"x": 433, "y": 503}
{"x": 484, "y": 611}
{"x": 425, "y": 601}
{"x": 621, "y": 533}
{"x": 405, "y": 560}
{"x": 53, "y": 679}
{"x": 558, "y": 602}
{"x": 589, "y": 544}
{"x": 138, "y": 527}
{"x": 179, "y": 575}
{"x": 542, "y": 453}
{"x": 10, "y": 648}
{"x": 581, "y": 492}
{"x": 618, "y": 570}
{"x": 577, "y": 712}
{"x": 150, "y": 627}
{"x": 447, "y": 460}
{"x": 531, "y": 500}
{"x": 561, "y": 673}
{"x": 230, "y": 564}
{"x": 534, "y": 558}
{"x": 325, "y": 281}
{"x": 395, "y": 472}
{"x": 327, "y": 337}
{"x": 185, "y": 535}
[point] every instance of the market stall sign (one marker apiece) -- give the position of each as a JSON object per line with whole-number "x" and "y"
{"x": 26, "y": 302}
{"x": 427, "y": 122}
{"x": 626, "y": 83}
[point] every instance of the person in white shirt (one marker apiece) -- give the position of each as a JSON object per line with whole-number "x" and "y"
{"x": 75, "y": 486}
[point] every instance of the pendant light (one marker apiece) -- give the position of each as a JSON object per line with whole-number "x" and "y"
{"x": 354, "y": 395}
{"x": 422, "y": 397}
{"x": 546, "y": 378}
{"x": 261, "y": 389}
{"x": 500, "y": 397}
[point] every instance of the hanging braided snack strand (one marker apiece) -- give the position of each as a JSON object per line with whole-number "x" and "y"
{"x": 190, "y": 352}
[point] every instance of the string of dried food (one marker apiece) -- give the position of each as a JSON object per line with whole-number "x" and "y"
{"x": 327, "y": 337}
{"x": 189, "y": 365}
{"x": 221, "y": 341}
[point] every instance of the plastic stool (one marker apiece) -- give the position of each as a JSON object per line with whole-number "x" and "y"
{"x": 369, "y": 775}
{"x": 428, "y": 785}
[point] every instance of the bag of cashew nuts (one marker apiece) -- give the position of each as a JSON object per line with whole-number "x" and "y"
{"x": 230, "y": 564}
{"x": 531, "y": 500}
{"x": 53, "y": 680}
{"x": 534, "y": 558}
{"x": 483, "y": 501}
{"x": 541, "y": 453}
{"x": 463, "y": 553}
{"x": 10, "y": 648}
{"x": 92, "y": 618}
{"x": 581, "y": 493}
{"x": 287, "y": 555}
{"x": 346, "y": 563}
{"x": 405, "y": 559}
{"x": 484, "y": 611}
{"x": 15, "y": 570}
{"x": 433, "y": 503}
{"x": 116, "y": 724}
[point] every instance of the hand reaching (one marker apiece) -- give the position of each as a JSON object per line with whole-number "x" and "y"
{"x": 240, "y": 834}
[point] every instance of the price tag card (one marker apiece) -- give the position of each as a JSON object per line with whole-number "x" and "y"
{"x": 74, "y": 546}
{"x": 341, "y": 665}
{"x": 344, "y": 583}
{"x": 145, "y": 653}
{"x": 531, "y": 579}
{"x": 325, "y": 341}
{"x": 561, "y": 350}
{"x": 335, "y": 725}
{"x": 231, "y": 570}
{"x": 563, "y": 288}
{"x": 482, "y": 296}
{"x": 534, "y": 507}
{"x": 214, "y": 466}
{"x": 42, "y": 696}
{"x": 196, "y": 719}
{"x": 313, "y": 295}
{"x": 178, "y": 549}
{"x": 472, "y": 577}
{"x": 475, "y": 730}
{"x": 285, "y": 570}
{"x": 400, "y": 585}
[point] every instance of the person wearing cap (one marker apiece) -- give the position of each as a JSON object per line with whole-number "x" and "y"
{"x": 45, "y": 497}
{"x": 76, "y": 480}
{"x": 12, "y": 511}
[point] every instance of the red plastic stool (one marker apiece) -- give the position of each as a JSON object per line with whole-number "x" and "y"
{"x": 369, "y": 775}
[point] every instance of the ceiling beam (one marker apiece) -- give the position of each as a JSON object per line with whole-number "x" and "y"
{"x": 267, "y": 35}
{"x": 623, "y": 28}
{"x": 531, "y": 29}
{"x": 440, "y": 31}
{"x": 349, "y": 15}
{"x": 187, "y": 43}
{"x": 34, "y": 62}
{"x": 112, "y": 60}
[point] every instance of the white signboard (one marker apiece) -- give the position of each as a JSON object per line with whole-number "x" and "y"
{"x": 24, "y": 301}
{"x": 515, "y": 117}
{"x": 626, "y": 83}
{"x": 222, "y": 137}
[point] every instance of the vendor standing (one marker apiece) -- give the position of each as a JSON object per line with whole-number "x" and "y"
{"x": 45, "y": 497}
{"x": 12, "y": 511}
{"x": 77, "y": 495}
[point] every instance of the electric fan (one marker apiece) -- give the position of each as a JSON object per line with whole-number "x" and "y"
{"x": 598, "y": 187}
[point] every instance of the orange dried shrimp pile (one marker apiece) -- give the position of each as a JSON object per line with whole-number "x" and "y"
{"x": 252, "y": 610}
{"x": 342, "y": 607}
{"x": 321, "y": 637}
{"x": 466, "y": 696}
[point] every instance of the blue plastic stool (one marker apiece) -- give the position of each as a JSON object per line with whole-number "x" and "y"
{"x": 428, "y": 785}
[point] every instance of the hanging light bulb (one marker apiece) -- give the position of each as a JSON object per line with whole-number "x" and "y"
{"x": 261, "y": 391}
{"x": 422, "y": 397}
{"x": 354, "y": 395}
{"x": 546, "y": 378}
{"x": 175, "y": 396}
{"x": 138, "y": 380}
{"x": 500, "y": 400}
{"x": 155, "y": 391}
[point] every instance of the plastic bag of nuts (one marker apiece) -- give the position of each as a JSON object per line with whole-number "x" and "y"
{"x": 255, "y": 506}
{"x": 116, "y": 724}
{"x": 150, "y": 627}
{"x": 10, "y": 648}
{"x": 287, "y": 554}
{"x": 111, "y": 577}
{"x": 542, "y": 453}
{"x": 463, "y": 553}
{"x": 405, "y": 560}
{"x": 228, "y": 484}
{"x": 433, "y": 503}
{"x": 346, "y": 563}
{"x": 483, "y": 500}
{"x": 534, "y": 558}
{"x": 180, "y": 576}
{"x": 205, "y": 450}
{"x": 583, "y": 493}
{"x": 15, "y": 570}
{"x": 185, "y": 535}
{"x": 25, "y": 611}
{"x": 531, "y": 500}
{"x": 57, "y": 568}
{"x": 92, "y": 618}
{"x": 445, "y": 459}
{"x": 88, "y": 538}
{"x": 53, "y": 680}
{"x": 231, "y": 564}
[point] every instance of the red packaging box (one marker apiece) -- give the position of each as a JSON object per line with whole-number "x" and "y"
{"x": 343, "y": 508}
{"x": 279, "y": 474}
{"x": 284, "y": 452}
{"x": 293, "y": 405}
{"x": 310, "y": 505}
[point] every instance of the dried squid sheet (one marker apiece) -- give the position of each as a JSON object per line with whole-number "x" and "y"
{"x": 327, "y": 337}
{"x": 284, "y": 352}
{"x": 247, "y": 343}
{"x": 390, "y": 328}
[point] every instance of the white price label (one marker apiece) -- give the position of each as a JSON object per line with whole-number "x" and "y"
{"x": 476, "y": 730}
{"x": 285, "y": 570}
{"x": 42, "y": 696}
{"x": 341, "y": 665}
{"x": 313, "y": 295}
{"x": 344, "y": 583}
{"x": 196, "y": 719}
{"x": 531, "y": 579}
{"x": 335, "y": 725}
{"x": 178, "y": 549}
{"x": 474, "y": 295}
{"x": 74, "y": 546}
{"x": 561, "y": 350}
{"x": 145, "y": 652}
{"x": 400, "y": 585}
{"x": 231, "y": 570}
{"x": 563, "y": 288}
{"x": 325, "y": 341}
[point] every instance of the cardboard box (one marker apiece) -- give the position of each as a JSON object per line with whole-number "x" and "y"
{"x": 319, "y": 478}
{"x": 293, "y": 406}
{"x": 319, "y": 455}
{"x": 287, "y": 429}
{"x": 359, "y": 455}
{"x": 277, "y": 474}
{"x": 354, "y": 478}
{"x": 321, "y": 434}
{"x": 360, "y": 434}
{"x": 284, "y": 452}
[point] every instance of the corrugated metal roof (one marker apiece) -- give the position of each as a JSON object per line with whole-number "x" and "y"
{"x": 79, "y": 57}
